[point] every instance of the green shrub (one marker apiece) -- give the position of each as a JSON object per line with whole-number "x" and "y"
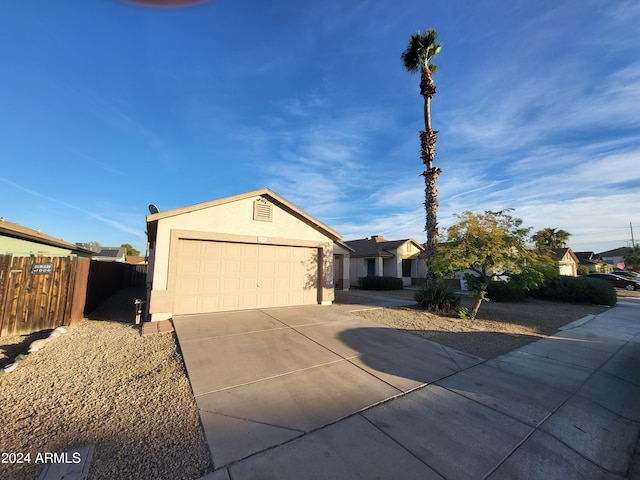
{"x": 583, "y": 270}
{"x": 438, "y": 298}
{"x": 380, "y": 283}
{"x": 505, "y": 292}
{"x": 577, "y": 290}
{"x": 531, "y": 278}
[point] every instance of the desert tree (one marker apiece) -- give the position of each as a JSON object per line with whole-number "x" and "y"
{"x": 491, "y": 245}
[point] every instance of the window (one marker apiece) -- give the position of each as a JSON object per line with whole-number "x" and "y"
{"x": 406, "y": 267}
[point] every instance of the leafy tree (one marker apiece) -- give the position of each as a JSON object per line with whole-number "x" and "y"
{"x": 490, "y": 245}
{"x": 551, "y": 237}
{"x": 632, "y": 258}
{"x": 423, "y": 47}
{"x": 130, "y": 251}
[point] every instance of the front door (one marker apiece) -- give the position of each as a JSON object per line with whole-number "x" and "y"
{"x": 371, "y": 267}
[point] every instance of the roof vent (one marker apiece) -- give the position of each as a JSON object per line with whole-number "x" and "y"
{"x": 262, "y": 210}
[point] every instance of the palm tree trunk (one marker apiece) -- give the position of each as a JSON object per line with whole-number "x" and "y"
{"x": 428, "y": 138}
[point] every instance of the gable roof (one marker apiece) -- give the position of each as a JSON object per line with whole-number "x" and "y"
{"x": 15, "y": 230}
{"x": 377, "y": 246}
{"x": 616, "y": 252}
{"x": 560, "y": 253}
{"x": 264, "y": 192}
{"x": 586, "y": 256}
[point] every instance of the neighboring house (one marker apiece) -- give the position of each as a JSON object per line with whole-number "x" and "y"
{"x": 615, "y": 257}
{"x": 593, "y": 262}
{"x": 567, "y": 261}
{"x": 21, "y": 241}
{"x": 377, "y": 257}
{"x": 43, "y": 280}
{"x": 253, "y": 250}
{"x": 110, "y": 254}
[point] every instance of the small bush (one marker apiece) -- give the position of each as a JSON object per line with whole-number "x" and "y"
{"x": 583, "y": 270}
{"x": 577, "y": 290}
{"x": 438, "y": 298}
{"x": 465, "y": 314}
{"x": 380, "y": 283}
{"x": 505, "y": 292}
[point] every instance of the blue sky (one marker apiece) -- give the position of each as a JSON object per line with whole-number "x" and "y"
{"x": 106, "y": 107}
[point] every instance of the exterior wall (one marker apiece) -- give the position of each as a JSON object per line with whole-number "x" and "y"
{"x": 391, "y": 267}
{"x": 567, "y": 270}
{"x": 568, "y": 267}
{"x": 24, "y": 248}
{"x": 231, "y": 221}
{"x": 358, "y": 268}
{"x": 613, "y": 261}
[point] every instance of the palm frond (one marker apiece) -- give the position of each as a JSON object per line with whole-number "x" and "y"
{"x": 421, "y": 50}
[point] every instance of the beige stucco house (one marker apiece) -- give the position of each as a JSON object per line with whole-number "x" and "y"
{"x": 253, "y": 250}
{"x": 567, "y": 261}
{"x": 377, "y": 257}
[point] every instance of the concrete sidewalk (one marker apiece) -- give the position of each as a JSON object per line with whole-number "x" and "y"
{"x": 566, "y": 407}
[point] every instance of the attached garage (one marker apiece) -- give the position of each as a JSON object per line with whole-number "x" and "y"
{"x": 220, "y": 276}
{"x": 254, "y": 250}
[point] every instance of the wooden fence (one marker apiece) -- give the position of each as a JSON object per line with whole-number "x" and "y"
{"x": 106, "y": 278}
{"x": 36, "y": 293}
{"x": 40, "y": 293}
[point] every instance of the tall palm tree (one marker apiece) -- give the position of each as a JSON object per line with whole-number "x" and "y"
{"x": 551, "y": 237}
{"x": 423, "y": 47}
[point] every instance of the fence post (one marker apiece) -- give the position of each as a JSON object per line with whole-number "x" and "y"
{"x": 5, "y": 272}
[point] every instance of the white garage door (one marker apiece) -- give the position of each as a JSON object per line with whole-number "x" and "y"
{"x": 219, "y": 276}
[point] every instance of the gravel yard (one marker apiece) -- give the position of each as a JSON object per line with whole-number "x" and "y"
{"x": 499, "y": 328}
{"x": 102, "y": 383}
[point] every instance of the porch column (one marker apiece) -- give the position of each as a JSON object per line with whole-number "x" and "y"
{"x": 379, "y": 267}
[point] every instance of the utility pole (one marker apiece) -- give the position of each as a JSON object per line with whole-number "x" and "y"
{"x": 633, "y": 243}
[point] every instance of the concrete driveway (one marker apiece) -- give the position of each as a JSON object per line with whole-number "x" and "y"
{"x": 315, "y": 392}
{"x": 263, "y": 377}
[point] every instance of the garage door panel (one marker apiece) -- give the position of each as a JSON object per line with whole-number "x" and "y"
{"x": 209, "y": 285}
{"x": 189, "y": 266}
{"x": 208, "y": 303}
{"x": 186, "y": 303}
{"x": 231, "y": 267}
{"x": 210, "y": 249}
{"x": 192, "y": 249}
{"x": 231, "y": 285}
{"x": 188, "y": 284}
{"x": 220, "y": 276}
{"x": 210, "y": 267}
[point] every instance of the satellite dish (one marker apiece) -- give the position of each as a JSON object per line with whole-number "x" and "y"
{"x": 153, "y": 209}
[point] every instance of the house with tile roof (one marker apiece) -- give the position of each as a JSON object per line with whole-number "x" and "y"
{"x": 376, "y": 256}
